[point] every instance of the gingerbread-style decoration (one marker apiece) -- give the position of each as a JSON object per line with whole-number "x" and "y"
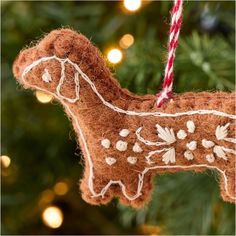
{"x": 126, "y": 139}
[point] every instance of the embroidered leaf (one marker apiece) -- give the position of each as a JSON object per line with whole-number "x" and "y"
{"x": 222, "y": 131}
{"x": 169, "y": 156}
{"x": 219, "y": 151}
{"x": 166, "y": 134}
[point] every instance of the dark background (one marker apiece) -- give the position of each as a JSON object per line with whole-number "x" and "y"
{"x": 40, "y": 140}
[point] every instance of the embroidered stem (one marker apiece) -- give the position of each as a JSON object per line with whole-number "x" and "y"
{"x": 167, "y": 85}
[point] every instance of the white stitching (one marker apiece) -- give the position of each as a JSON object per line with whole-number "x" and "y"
{"x": 161, "y": 114}
{"x": 110, "y": 160}
{"x": 141, "y": 176}
{"x": 191, "y": 126}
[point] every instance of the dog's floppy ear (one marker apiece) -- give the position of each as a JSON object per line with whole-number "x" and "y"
{"x": 51, "y": 74}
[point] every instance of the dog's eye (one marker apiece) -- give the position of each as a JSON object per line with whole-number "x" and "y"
{"x": 46, "y": 77}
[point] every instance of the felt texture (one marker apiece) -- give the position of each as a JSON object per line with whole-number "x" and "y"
{"x": 94, "y": 121}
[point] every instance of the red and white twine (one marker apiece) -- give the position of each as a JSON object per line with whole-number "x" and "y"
{"x": 167, "y": 85}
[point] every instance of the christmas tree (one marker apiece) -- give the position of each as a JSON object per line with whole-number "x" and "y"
{"x": 41, "y": 162}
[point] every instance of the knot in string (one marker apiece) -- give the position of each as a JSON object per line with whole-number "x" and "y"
{"x": 166, "y": 92}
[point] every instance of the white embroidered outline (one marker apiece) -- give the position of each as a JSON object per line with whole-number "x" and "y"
{"x": 117, "y": 109}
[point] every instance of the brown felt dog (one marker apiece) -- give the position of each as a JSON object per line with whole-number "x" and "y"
{"x": 125, "y": 138}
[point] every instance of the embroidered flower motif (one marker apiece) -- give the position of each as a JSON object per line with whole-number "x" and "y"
{"x": 168, "y": 136}
{"x": 221, "y": 133}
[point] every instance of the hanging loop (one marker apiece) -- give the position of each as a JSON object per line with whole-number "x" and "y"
{"x": 166, "y": 92}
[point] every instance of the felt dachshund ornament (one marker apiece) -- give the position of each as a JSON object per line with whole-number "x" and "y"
{"x": 127, "y": 139}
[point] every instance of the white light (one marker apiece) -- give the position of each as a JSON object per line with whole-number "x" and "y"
{"x": 114, "y": 56}
{"x": 52, "y": 217}
{"x": 132, "y": 5}
{"x": 5, "y": 161}
{"x": 43, "y": 97}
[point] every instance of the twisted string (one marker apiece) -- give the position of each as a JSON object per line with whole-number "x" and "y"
{"x": 166, "y": 92}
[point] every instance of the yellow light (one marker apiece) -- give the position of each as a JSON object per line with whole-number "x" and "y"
{"x": 61, "y": 188}
{"x": 150, "y": 229}
{"x": 47, "y": 196}
{"x": 114, "y": 55}
{"x": 132, "y": 5}
{"x": 43, "y": 97}
{"x": 52, "y": 217}
{"x": 126, "y": 41}
{"x": 5, "y": 161}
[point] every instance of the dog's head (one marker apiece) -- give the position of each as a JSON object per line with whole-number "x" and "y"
{"x": 57, "y": 62}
